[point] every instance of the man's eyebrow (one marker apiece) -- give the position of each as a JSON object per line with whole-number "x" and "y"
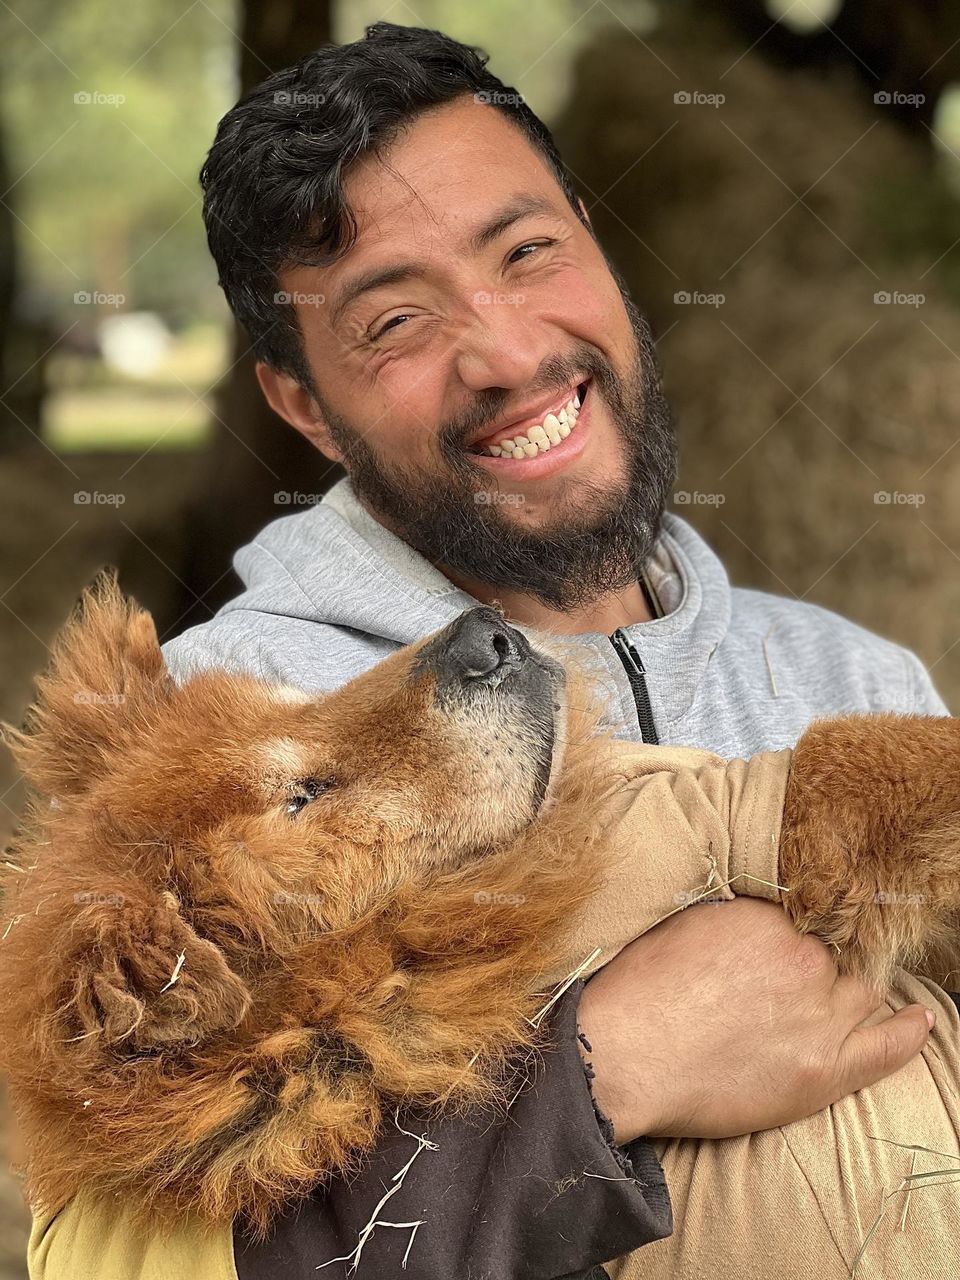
{"x": 374, "y": 278}
{"x": 519, "y": 207}
{"x": 379, "y": 277}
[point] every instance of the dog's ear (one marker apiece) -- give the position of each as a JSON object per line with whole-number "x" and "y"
{"x": 105, "y": 674}
{"x": 148, "y": 982}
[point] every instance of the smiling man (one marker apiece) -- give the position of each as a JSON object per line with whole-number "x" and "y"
{"x": 395, "y": 229}
{"x": 488, "y": 383}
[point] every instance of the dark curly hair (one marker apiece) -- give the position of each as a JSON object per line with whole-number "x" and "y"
{"x": 273, "y": 179}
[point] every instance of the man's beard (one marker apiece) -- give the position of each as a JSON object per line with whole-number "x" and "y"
{"x": 597, "y": 547}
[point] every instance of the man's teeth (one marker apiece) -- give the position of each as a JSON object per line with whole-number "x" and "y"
{"x": 542, "y": 437}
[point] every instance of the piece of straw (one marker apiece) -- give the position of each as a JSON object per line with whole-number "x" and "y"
{"x": 423, "y": 1144}
{"x": 176, "y": 973}
{"x": 567, "y": 982}
{"x": 906, "y": 1202}
{"x": 913, "y": 1181}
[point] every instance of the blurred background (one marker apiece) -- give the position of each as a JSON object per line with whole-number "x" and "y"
{"x": 778, "y": 182}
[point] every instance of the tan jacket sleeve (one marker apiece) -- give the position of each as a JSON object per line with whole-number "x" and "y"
{"x": 92, "y": 1239}
{"x": 683, "y": 824}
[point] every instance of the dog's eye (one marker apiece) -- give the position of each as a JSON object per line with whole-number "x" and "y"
{"x": 305, "y": 790}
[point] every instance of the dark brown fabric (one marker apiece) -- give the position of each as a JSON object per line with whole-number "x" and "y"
{"x": 505, "y": 1198}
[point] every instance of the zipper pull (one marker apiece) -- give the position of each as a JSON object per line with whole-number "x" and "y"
{"x": 637, "y": 676}
{"x": 628, "y": 652}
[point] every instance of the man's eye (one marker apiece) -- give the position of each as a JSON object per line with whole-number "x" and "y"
{"x": 533, "y": 244}
{"x": 384, "y": 328}
{"x": 305, "y": 790}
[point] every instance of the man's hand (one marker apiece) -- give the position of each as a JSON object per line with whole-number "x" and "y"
{"x": 724, "y": 1020}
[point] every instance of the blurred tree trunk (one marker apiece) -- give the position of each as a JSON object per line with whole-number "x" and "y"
{"x": 8, "y": 423}
{"x": 22, "y": 342}
{"x": 254, "y": 453}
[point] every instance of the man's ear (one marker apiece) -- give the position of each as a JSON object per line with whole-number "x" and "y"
{"x": 297, "y": 406}
{"x": 583, "y": 212}
{"x": 148, "y": 981}
{"x": 105, "y": 675}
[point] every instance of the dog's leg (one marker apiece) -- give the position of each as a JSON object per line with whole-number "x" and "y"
{"x": 870, "y": 845}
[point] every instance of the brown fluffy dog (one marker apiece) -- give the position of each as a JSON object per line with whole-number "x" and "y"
{"x": 245, "y": 924}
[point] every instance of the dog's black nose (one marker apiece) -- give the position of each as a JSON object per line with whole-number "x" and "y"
{"x": 481, "y": 647}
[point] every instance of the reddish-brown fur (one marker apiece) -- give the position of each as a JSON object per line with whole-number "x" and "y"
{"x": 870, "y": 846}
{"x": 340, "y": 966}
{"x": 332, "y": 971}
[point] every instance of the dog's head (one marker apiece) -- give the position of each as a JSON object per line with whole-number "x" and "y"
{"x": 228, "y": 814}
{"x": 446, "y": 749}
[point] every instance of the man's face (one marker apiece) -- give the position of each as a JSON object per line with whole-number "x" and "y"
{"x": 494, "y": 308}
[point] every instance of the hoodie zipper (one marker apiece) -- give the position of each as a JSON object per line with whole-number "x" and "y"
{"x": 637, "y": 676}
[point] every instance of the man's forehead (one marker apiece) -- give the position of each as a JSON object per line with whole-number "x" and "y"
{"x": 452, "y": 180}
{"x": 443, "y": 173}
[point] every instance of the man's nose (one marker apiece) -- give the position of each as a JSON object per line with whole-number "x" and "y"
{"x": 504, "y": 347}
{"x": 483, "y": 649}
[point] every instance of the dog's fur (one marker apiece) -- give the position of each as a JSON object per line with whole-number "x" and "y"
{"x": 208, "y": 1001}
{"x": 336, "y": 964}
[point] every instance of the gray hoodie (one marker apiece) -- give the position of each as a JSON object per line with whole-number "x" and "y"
{"x": 328, "y": 592}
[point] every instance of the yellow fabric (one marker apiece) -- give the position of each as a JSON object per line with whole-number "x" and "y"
{"x": 97, "y": 1240}
{"x": 800, "y": 1201}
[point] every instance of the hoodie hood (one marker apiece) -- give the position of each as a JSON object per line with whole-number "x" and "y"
{"x": 335, "y": 564}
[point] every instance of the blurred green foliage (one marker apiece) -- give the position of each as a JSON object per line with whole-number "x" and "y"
{"x": 105, "y": 190}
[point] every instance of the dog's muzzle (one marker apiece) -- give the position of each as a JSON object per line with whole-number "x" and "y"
{"x": 479, "y": 651}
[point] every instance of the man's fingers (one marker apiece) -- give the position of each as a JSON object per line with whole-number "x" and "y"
{"x": 870, "y": 1053}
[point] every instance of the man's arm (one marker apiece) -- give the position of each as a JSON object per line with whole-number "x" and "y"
{"x": 720, "y": 1021}
{"x": 537, "y": 1194}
